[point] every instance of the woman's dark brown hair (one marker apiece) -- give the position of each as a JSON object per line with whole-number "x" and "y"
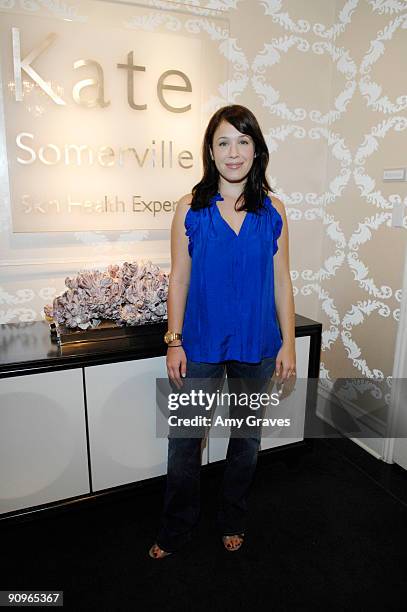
{"x": 256, "y": 186}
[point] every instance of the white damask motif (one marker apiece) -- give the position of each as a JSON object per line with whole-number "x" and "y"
{"x": 14, "y": 310}
{"x": 370, "y": 143}
{"x": 98, "y": 240}
{"x": 17, "y": 314}
{"x": 325, "y": 380}
{"x": 270, "y": 55}
{"x": 152, "y": 21}
{"x": 29, "y": 5}
{"x": 21, "y": 296}
{"x": 345, "y": 18}
{"x": 47, "y": 293}
{"x": 223, "y": 5}
{"x": 336, "y": 185}
{"x": 360, "y": 273}
{"x": 195, "y": 6}
{"x": 273, "y": 8}
{"x": 353, "y": 392}
{"x": 370, "y": 90}
{"x": 329, "y": 335}
{"x": 104, "y": 244}
{"x": 396, "y": 314}
{"x": 171, "y": 5}
{"x": 354, "y": 353}
{"x": 62, "y": 9}
{"x": 214, "y": 31}
{"x": 55, "y": 7}
{"x": 362, "y": 234}
{"x": 388, "y": 6}
{"x": 230, "y": 89}
{"x": 355, "y": 315}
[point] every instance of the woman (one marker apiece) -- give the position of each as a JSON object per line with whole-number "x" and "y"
{"x": 229, "y": 283}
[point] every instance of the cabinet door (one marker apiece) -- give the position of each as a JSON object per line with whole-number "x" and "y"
{"x": 43, "y": 455}
{"x": 295, "y": 403}
{"x": 400, "y": 452}
{"x": 275, "y": 436}
{"x": 121, "y": 400}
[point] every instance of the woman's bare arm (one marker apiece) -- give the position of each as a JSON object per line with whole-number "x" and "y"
{"x": 283, "y": 292}
{"x": 180, "y": 268}
{"x": 179, "y": 279}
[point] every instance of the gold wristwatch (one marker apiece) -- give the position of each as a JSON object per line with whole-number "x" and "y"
{"x": 169, "y": 336}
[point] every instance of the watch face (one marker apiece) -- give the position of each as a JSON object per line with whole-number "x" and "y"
{"x": 170, "y": 336}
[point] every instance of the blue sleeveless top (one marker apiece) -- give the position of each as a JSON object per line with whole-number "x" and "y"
{"x": 230, "y": 311}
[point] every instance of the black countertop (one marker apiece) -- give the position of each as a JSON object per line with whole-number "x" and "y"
{"x": 28, "y": 348}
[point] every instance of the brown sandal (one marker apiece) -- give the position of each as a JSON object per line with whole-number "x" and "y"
{"x": 156, "y": 552}
{"x": 228, "y": 544}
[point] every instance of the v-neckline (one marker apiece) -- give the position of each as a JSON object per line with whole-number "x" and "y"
{"x": 216, "y": 199}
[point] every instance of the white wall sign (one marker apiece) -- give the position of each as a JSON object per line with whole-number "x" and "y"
{"x": 103, "y": 121}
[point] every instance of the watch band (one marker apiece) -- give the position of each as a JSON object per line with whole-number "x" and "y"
{"x": 170, "y": 336}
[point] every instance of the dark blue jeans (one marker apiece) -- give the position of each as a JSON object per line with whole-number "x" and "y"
{"x": 182, "y": 499}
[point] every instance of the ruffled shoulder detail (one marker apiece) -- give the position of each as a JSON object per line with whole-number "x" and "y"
{"x": 277, "y": 224}
{"x": 191, "y": 225}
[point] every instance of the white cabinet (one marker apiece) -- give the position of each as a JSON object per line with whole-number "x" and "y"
{"x": 121, "y": 401}
{"x": 75, "y": 432}
{"x": 400, "y": 452}
{"x": 43, "y": 454}
{"x": 295, "y": 404}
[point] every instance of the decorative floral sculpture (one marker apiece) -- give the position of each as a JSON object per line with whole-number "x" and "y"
{"x": 129, "y": 294}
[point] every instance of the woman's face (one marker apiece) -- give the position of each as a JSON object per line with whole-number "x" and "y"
{"x": 233, "y": 152}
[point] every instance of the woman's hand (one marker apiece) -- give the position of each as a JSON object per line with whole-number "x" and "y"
{"x": 286, "y": 362}
{"x": 176, "y": 364}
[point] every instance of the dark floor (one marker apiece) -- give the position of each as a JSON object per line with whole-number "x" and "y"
{"x": 328, "y": 532}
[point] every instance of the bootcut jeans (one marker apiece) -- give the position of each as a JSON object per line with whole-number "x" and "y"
{"x": 182, "y": 498}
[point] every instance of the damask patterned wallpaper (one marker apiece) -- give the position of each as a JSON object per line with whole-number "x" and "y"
{"x": 326, "y": 81}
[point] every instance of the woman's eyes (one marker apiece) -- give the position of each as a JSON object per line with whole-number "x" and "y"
{"x": 241, "y": 142}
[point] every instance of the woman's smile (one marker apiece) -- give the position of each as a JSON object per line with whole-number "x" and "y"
{"x": 234, "y": 166}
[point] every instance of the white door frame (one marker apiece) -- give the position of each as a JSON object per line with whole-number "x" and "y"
{"x": 399, "y": 371}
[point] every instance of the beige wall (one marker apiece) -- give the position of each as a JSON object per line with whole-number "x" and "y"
{"x": 362, "y": 292}
{"x": 325, "y": 79}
